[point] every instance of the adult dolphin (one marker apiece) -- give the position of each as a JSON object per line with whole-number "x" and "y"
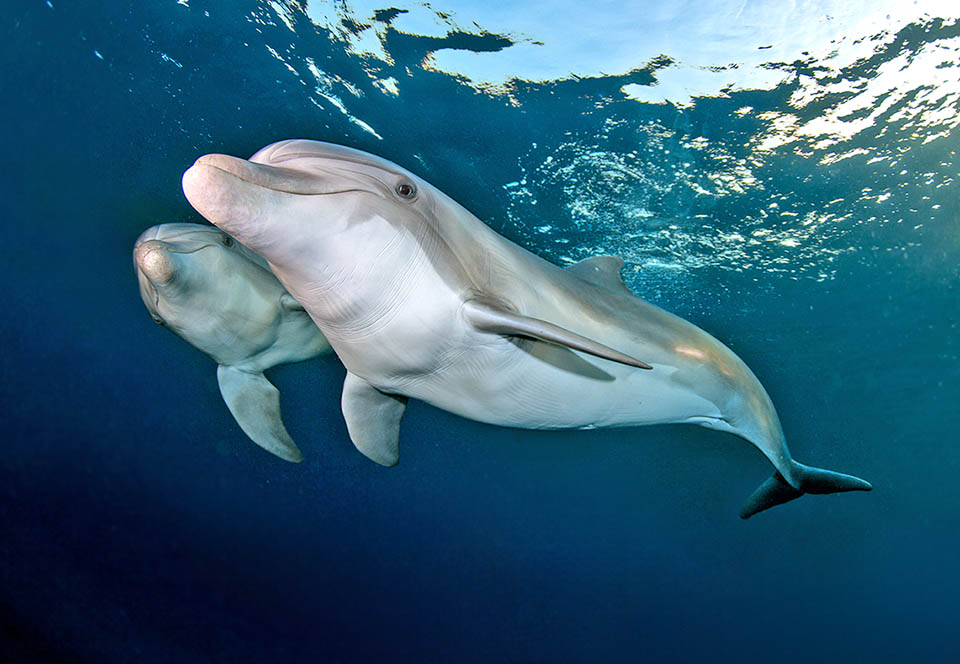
{"x": 421, "y": 299}
{"x": 222, "y": 298}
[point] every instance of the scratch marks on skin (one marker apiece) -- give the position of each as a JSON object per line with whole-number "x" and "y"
{"x": 365, "y": 314}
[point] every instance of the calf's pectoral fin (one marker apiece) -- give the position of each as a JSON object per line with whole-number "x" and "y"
{"x": 373, "y": 419}
{"x": 255, "y": 405}
{"x": 289, "y": 303}
{"x": 488, "y": 317}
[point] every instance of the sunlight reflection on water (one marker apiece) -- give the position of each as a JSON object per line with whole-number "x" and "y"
{"x": 827, "y": 110}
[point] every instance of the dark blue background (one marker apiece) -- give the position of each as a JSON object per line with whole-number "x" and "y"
{"x": 138, "y": 524}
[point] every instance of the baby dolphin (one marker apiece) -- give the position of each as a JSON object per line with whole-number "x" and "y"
{"x": 221, "y": 298}
{"x": 420, "y": 299}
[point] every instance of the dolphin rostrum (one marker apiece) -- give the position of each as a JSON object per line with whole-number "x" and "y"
{"x": 222, "y": 298}
{"x": 420, "y": 299}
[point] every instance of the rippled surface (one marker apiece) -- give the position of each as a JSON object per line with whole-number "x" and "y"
{"x": 670, "y": 144}
{"x": 782, "y": 174}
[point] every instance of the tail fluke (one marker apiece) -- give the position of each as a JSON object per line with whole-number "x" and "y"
{"x": 818, "y": 480}
{"x": 776, "y": 490}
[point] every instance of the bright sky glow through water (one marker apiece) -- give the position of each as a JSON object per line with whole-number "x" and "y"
{"x": 818, "y": 84}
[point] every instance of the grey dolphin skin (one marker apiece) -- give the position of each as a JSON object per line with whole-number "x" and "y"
{"x": 420, "y": 299}
{"x": 222, "y": 298}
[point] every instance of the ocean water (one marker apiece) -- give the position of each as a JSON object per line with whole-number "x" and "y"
{"x": 784, "y": 175}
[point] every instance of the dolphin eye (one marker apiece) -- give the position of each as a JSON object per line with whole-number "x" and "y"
{"x": 157, "y": 320}
{"x": 406, "y": 190}
{"x": 226, "y": 241}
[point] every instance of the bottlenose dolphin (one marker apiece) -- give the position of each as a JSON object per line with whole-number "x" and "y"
{"x": 222, "y": 298}
{"x": 420, "y": 299}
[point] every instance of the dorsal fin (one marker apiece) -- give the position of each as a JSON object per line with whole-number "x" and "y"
{"x": 603, "y": 271}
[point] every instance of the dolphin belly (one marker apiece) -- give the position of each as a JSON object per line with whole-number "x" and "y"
{"x": 535, "y": 385}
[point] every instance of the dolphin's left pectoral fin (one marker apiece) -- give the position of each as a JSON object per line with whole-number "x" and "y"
{"x": 373, "y": 419}
{"x": 255, "y": 405}
{"x": 487, "y": 317}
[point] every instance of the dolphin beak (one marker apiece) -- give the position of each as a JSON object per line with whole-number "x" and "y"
{"x": 244, "y": 197}
{"x": 239, "y": 196}
{"x": 156, "y": 269}
{"x": 275, "y": 178}
{"x": 153, "y": 259}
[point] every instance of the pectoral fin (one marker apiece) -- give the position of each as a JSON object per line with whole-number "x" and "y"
{"x": 487, "y": 317}
{"x": 289, "y": 303}
{"x": 255, "y": 404}
{"x": 373, "y": 420}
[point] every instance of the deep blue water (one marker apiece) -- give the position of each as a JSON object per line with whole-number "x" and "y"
{"x": 809, "y": 220}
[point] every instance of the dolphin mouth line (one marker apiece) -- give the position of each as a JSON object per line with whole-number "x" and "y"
{"x": 171, "y": 250}
{"x": 191, "y": 251}
{"x": 282, "y": 179}
{"x": 261, "y": 175}
{"x": 154, "y": 291}
{"x": 291, "y": 190}
{"x": 285, "y": 190}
